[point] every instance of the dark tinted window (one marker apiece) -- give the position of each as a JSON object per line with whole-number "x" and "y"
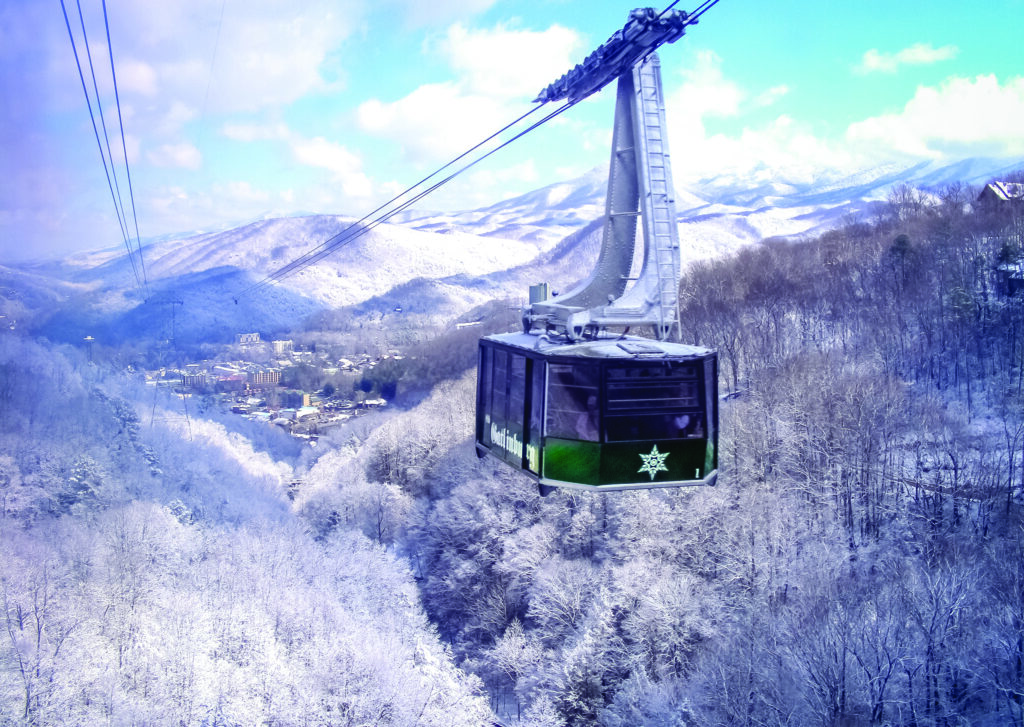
{"x": 498, "y": 387}
{"x": 645, "y": 426}
{"x": 662, "y": 401}
{"x": 484, "y": 397}
{"x": 517, "y": 388}
{"x": 660, "y": 387}
{"x": 533, "y": 436}
{"x": 573, "y": 401}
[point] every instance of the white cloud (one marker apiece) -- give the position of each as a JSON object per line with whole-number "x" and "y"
{"x": 704, "y": 92}
{"x": 171, "y": 121}
{"x": 781, "y": 149}
{"x": 485, "y": 184}
{"x": 255, "y": 132}
{"x": 959, "y": 118}
{"x": 975, "y": 117}
{"x": 771, "y": 96}
{"x": 166, "y": 203}
{"x": 523, "y": 172}
{"x": 243, "y": 193}
{"x": 182, "y": 155}
{"x": 135, "y": 76}
{"x": 434, "y": 122}
{"x": 916, "y": 55}
{"x": 503, "y": 61}
{"x": 345, "y": 167}
{"x": 497, "y": 70}
{"x": 256, "y": 55}
{"x": 179, "y": 208}
{"x": 416, "y": 13}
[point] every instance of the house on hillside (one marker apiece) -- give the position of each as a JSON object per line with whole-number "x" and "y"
{"x": 1008, "y": 197}
{"x": 997, "y": 192}
{"x": 1011, "y": 278}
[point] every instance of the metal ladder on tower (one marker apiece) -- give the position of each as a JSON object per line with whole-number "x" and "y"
{"x": 658, "y": 199}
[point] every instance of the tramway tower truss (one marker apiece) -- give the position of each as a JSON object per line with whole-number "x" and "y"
{"x": 639, "y": 185}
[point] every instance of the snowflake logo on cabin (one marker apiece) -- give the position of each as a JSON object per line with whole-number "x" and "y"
{"x": 654, "y": 462}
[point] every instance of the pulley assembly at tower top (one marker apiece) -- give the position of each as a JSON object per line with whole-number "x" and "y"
{"x": 646, "y": 30}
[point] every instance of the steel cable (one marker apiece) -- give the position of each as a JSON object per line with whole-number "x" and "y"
{"x": 124, "y": 148}
{"x": 336, "y": 243}
{"x": 332, "y": 243}
{"x": 99, "y": 144}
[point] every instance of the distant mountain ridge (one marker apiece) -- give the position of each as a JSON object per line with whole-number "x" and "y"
{"x": 446, "y": 262}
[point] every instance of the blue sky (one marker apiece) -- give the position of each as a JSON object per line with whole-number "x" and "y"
{"x": 234, "y": 110}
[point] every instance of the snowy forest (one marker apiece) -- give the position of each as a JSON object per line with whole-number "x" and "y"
{"x": 861, "y": 561}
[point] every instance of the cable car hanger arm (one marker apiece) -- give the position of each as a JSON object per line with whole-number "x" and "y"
{"x": 639, "y": 189}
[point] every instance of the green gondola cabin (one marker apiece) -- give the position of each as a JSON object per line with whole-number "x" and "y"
{"x": 611, "y": 413}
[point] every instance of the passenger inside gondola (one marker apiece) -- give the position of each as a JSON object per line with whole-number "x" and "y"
{"x": 586, "y": 422}
{"x": 683, "y": 423}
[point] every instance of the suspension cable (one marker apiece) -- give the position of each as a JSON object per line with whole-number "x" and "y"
{"x": 345, "y": 239}
{"x": 335, "y": 241}
{"x": 671, "y": 5}
{"x": 693, "y": 17}
{"x": 124, "y": 147}
{"x": 96, "y": 133}
{"x": 118, "y": 203}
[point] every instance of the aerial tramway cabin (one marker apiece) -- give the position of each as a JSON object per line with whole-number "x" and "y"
{"x": 608, "y": 413}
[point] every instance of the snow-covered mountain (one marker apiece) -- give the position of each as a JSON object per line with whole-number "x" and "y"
{"x": 438, "y": 265}
{"x": 720, "y": 213}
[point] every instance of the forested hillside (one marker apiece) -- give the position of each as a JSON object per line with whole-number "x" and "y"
{"x": 861, "y": 561}
{"x": 152, "y": 573}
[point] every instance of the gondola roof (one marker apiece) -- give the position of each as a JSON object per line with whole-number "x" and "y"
{"x": 605, "y": 347}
